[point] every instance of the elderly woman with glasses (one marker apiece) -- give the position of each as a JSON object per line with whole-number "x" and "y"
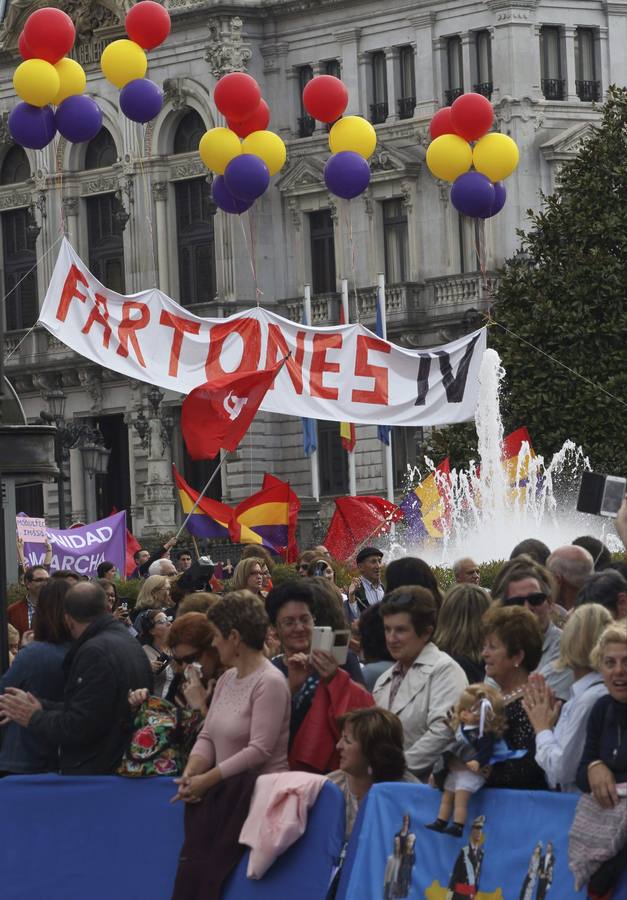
{"x": 321, "y": 690}
{"x": 522, "y": 582}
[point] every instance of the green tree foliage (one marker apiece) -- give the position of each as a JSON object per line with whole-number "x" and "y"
{"x": 565, "y": 292}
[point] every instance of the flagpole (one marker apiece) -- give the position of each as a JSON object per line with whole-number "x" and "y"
{"x": 352, "y": 471}
{"x": 387, "y": 448}
{"x": 315, "y": 470}
{"x": 201, "y": 495}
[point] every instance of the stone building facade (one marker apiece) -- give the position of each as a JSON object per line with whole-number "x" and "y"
{"x": 135, "y": 203}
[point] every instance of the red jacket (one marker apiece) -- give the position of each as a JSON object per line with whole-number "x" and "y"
{"x": 313, "y": 748}
{"x": 17, "y": 615}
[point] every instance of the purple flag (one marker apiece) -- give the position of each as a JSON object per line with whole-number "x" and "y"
{"x": 83, "y": 549}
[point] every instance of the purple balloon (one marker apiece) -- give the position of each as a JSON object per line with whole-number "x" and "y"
{"x": 32, "y": 126}
{"x": 500, "y": 196}
{"x": 246, "y": 177}
{"x": 79, "y": 118}
{"x": 472, "y": 195}
{"x": 141, "y": 100}
{"x": 346, "y": 174}
{"x": 223, "y": 198}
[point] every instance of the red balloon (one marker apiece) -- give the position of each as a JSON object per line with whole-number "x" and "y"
{"x": 237, "y": 96}
{"x": 441, "y": 123}
{"x": 259, "y": 121}
{"x": 472, "y": 116}
{"x": 24, "y": 50}
{"x": 49, "y": 34}
{"x": 325, "y": 98}
{"x": 148, "y": 24}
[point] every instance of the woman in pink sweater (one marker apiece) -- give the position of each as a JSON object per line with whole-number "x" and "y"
{"x": 247, "y": 726}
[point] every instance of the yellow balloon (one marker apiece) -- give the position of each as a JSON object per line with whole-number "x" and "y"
{"x": 269, "y": 147}
{"x": 353, "y": 133}
{"x": 218, "y": 147}
{"x": 36, "y": 82}
{"x": 449, "y": 156}
{"x": 72, "y": 78}
{"x": 496, "y": 156}
{"x": 123, "y": 61}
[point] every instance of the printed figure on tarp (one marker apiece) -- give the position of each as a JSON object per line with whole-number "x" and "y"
{"x": 464, "y": 881}
{"x": 400, "y": 863}
{"x": 545, "y": 872}
{"x": 529, "y": 885}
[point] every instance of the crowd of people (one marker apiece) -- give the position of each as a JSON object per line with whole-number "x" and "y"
{"x": 520, "y": 684}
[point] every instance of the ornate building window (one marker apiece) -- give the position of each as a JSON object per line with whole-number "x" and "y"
{"x": 105, "y": 219}
{"x": 306, "y": 123}
{"x": 483, "y": 63}
{"x": 551, "y": 67}
{"x": 322, "y": 252}
{"x": 407, "y": 100}
{"x": 333, "y": 460}
{"x": 101, "y": 152}
{"x": 333, "y": 67}
{"x": 379, "y": 105}
{"x": 19, "y": 233}
{"x": 454, "y": 69}
{"x": 396, "y": 242}
{"x": 195, "y": 212}
{"x": 586, "y": 82}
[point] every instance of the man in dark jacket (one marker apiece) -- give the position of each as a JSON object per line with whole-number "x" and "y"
{"x": 92, "y": 723}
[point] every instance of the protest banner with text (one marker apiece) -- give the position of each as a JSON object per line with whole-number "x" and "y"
{"x": 82, "y": 549}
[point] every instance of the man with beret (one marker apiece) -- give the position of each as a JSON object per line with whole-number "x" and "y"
{"x": 366, "y": 589}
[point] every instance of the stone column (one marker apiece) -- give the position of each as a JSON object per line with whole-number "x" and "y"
{"x": 225, "y": 255}
{"x": 290, "y": 128}
{"x": 364, "y": 76}
{"x": 160, "y": 195}
{"x": 569, "y": 74}
{"x": 349, "y": 43}
{"x": 466, "y": 62}
{"x": 603, "y": 60}
{"x": 77, "y": 486}
{"x": 439, "y": 70}
{"x": 70, "y": 213}
{"x": 393, "y": 81}
{"x": 515, "y": 50}
{"x": 617, "y": 38}
{"x": 159, "y": 503}
{"x": 427, "y": 96}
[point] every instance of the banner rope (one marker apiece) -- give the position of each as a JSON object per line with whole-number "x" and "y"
{"x": 492, "y": 321}
{"x": 251, "y": 250}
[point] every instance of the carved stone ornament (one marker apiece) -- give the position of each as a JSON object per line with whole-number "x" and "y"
{"x": 14, "y": 199}
{"x": 5, "y": 134}
{"x": 227, "y": 51}
{"x": 160, "y": 190}
{"x": 295, "y": 214}
{"x": 100, "y": 185}
{"x": 524, "y": 109}
{"x": 174, "y": 93}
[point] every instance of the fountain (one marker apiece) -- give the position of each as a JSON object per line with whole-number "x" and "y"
{"x": 488, "y": 510}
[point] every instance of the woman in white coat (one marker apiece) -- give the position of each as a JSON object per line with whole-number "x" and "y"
{"x": 424, "y": 683}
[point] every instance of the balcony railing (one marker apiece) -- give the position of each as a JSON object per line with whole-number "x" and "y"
{"x": 485, "y": 88}
{"x": 406, "y": 106}
{"x": 306, "y": 126}
{"x": 453, "y": 94}
{"x": 588, "y": 91}
{"x": 378, "y": 112}
{"x": 553, "y": 88}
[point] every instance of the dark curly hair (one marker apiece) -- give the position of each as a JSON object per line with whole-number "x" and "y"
{"x": 241, "y": 611}
{"x": 380, "y": 736}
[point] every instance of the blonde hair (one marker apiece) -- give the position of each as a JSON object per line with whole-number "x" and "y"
{"x": 13, "y": 633}
{"x": 613, "y": 634}
{"x": 582, "y": 630}
{"x": 471, "y": 697}
{"x": 146, "y": 597}
{"x": 459, "y": 630}
{"x": 243, "y": 570}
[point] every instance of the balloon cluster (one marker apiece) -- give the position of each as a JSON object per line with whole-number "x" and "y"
{"x": 477, "y": 172}
{"x": 352, "y": 139}
{"x": 244, "y": 155}
{"x": 48, "y": 78}
{"x": 124, "y": 62}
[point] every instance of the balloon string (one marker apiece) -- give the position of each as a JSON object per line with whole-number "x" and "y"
{"x": 348, "y": 222}
{"x": 480, "y": 248}
{"x": 58, "y": 171}
{"x": 140, "y": 138}
{"x": 250, "y": 248}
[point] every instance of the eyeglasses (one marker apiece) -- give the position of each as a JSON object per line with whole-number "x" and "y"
{"x": 290, "y": 622}
{"x": 531, "y": 599}
{"x": 162, "y": 622}
{"x": 189, "y": 659}
{"x": 38, "y": 580}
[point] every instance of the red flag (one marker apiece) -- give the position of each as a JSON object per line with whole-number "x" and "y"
{"x": 357, "y": 519}
{"x": 216, "y": 415}
{"x": 294, "y": 508}
{"x": 132, "y": 546}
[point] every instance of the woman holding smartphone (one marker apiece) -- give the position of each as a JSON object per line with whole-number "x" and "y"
{"x": 153, "y": 629}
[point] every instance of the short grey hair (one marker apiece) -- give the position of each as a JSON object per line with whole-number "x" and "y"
{"x": 572, "y": 563}
{"x": 459, "y": 564}
{"x": 156, "y": 568}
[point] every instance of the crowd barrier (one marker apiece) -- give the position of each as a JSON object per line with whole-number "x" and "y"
{"x": 94, "y": 838}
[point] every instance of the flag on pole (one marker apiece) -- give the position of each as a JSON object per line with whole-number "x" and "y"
{"x": 216, "y": 415}
{"x": 424, "y": 508}
{"x": 294, "y": 508}
{"x": 383, "y": 431}
{"x": 357, "y": 519}
{"x": 348, "y": 435}
{"x": 264, "y": 518}
{"x": 210, "y": 519}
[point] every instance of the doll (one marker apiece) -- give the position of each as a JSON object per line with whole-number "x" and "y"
{"x": 479, "y": 723}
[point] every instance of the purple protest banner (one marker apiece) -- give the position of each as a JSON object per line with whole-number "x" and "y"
{"x": 83, "y": 549}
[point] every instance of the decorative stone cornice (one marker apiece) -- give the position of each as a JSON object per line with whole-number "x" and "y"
{"x": 227, "y": 51}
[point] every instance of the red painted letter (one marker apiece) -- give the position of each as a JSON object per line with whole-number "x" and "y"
{"x": 277, "y": 348}
{"x": 250, "y": 332}
{"x": 99, "y": 313}
{"x": 181, "y": 326}
{"x": 379, "y": 393}
{"x": 74, "y": 276}
{"x": 128, "y": 327}
{"x": 320, "y": 365}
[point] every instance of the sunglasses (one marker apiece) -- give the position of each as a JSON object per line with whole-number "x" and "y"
{"x": 187, "y": 660}
{"x": 531, "y": 599}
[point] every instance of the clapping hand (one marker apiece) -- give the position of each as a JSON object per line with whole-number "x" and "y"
{"x": 540, "y": 704}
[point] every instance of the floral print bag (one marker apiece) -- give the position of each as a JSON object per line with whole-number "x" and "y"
{"x": 163, "y": 736}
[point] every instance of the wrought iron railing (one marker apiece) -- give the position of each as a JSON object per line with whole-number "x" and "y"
{"x": 553, "y": 88}
{"x": 406, "y": 106}
{"x": 588, "y": 91}
{"x": 378, "y": 112}
{"x": 452, "y": 94}
{"x": 306, "y": 126}
{"x": 485, "y": 88}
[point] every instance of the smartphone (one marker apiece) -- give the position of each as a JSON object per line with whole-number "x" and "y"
{"x": 196, "y": 667}
{"x": 621, "y": 789}
{"x": 335, "y": 642}
{"x": 601, "y": 495}
{"x": 322, "y": 638}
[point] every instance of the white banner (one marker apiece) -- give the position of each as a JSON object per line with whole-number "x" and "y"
{"x": 340, "y": 373}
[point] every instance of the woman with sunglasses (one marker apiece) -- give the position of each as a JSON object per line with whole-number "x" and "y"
{"x": 512, "y": 649}
{"x": 195, "y": 661}
{"x": 153, "y": 628}
{"x": 522, "y": 582}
